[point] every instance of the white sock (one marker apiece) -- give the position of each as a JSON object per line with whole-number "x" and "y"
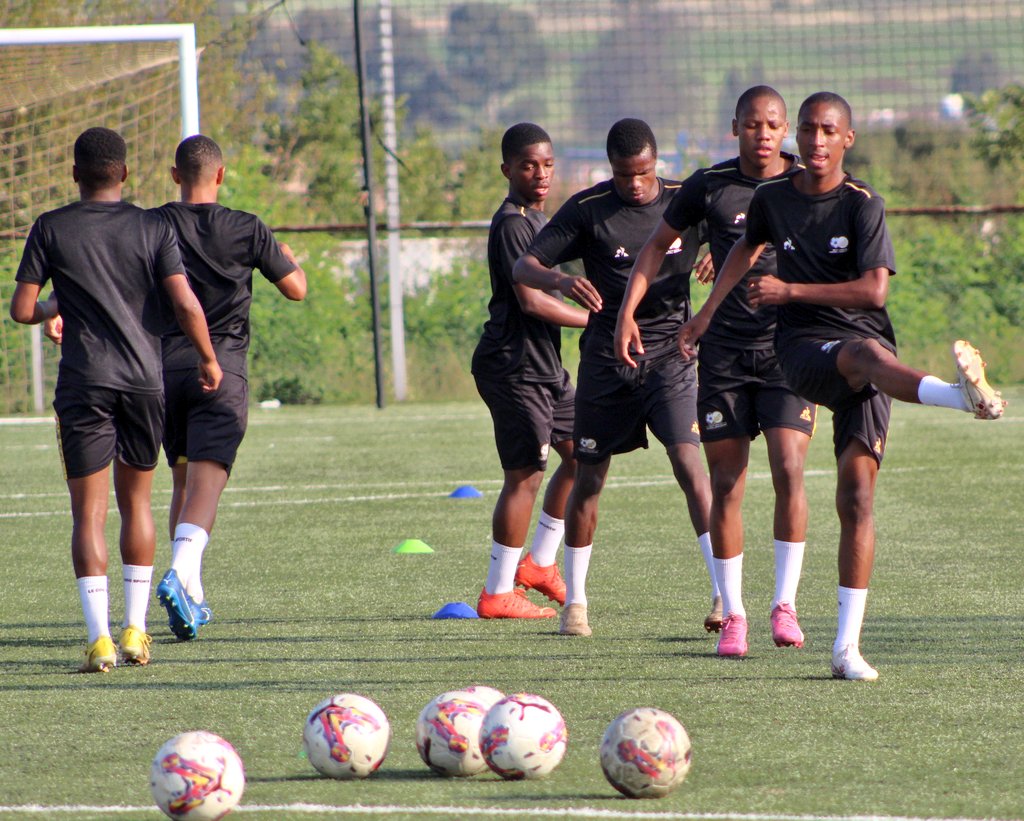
{"x": 92, "y": 592}
{"x": 852, "y": 601}
{"x": 577, "y": 563}
{"x": 546, "y": 539}
{"x": 187, "y": 557}
{"x": 730, "y": 584}
{"x": 704, "y": 540}
{"x": 789, "y": 561}
{"x": 933, "y": 391}
{"x": 137, "y": 582}
{"x": 501, "y": 573}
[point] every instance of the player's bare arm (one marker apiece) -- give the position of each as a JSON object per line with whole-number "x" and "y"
{"x": 192, "y": 320}
{"x": 869, "y": 291}
{"x": 542, "y": 305}
{"x": 27, "y": 308}
{"x": 740, "y": 260}
{"x": 292, "y": 286}
{"x": 529, "y": 271}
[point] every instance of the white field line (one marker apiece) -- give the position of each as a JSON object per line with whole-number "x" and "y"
{"x": 461, "y": 812}
{"x": 612, "y": 484}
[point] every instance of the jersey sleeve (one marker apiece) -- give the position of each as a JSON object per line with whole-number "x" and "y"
{"x": 267, "y": 254}
{"x": 687, "y": 207}
{"x": 758, "y": 230}
{"x": 513, "y": 236}
{"x": 874, "y": 245}
{"x": 168, "y": 255}
{"x": 559, "y": 240}
{"x": 33, "y": 267}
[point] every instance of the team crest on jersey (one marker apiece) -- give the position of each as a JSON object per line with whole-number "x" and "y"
{"x": 621, "y": 253}
{"x": 675, "y": 247}
{"x": 788, "y": 245}
{"x": 828, "y": 346}
{"x": 587, "y": 445}
{"x": 714, "y": 420}
{"x": 740, "y": 218}
{"x": 805, "y": 414}
{"x": 838, "y": 245}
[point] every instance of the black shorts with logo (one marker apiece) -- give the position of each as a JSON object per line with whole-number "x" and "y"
{"x": 615, "y": 404}
{"x": 528, "y": 418}
{"x": 96, "y": 424}
{"x": 204, "y": 426}
{"x": 742, "y": 392}
{"x": 811, "y": 369}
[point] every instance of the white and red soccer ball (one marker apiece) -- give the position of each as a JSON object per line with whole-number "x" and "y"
{"x": 448, "y": 730}
{"x": 523, "y": 736}
{"x": 196, "y": 776}
{"x": 645, "y": 753}
{"x": 346, "y": 736}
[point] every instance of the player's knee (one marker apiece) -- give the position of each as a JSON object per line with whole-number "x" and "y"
{"x": 855, "y": 503}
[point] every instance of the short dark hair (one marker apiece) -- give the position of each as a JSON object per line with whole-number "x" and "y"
{"x": 756, "y": 93}
{"x": 629, "y": 137}
{"x": 827, "y": 98}
{"x": 518, "y": 137}
{"x": 195, "y": 155}
{"x": 101, "y": 156}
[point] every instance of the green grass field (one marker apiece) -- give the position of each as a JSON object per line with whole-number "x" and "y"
{"x": 309, "y": 599}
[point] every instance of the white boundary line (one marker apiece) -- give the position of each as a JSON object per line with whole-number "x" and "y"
{"x": 459, "y": 812}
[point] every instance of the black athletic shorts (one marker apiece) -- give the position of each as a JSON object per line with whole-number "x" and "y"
{"x": 811, "y": 369}
{"x": 204, "y": 426}
{"x": 742, "y": 392}
{"x": 528, "y": 418}
{"x": 615, "y": 404}
{"x": 96, "y": 424}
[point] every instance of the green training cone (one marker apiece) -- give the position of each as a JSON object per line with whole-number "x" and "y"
{"x": 413, "y": 546}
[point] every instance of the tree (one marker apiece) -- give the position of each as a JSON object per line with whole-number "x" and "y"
{"x": 997, "y": 118}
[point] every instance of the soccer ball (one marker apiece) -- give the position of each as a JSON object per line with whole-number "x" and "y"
{"x": 196, "y": 776}
{"x": 346, "y": 736}
{"x": 448, "y": 730}
{"x": 645, "y": 753}
{"x": 523, "y": 736}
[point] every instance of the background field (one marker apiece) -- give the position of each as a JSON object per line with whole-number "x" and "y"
{"x": 309, "y": 599}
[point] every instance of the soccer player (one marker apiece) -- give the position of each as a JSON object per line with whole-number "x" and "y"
{"x": 606, "y": 226}
{"x": 106, "y": 259}
{"x": 833, "y": 336}
{"x": 518, "y": 370}
{"x": 742, "y": 391}
{"x": 202, "y": 432}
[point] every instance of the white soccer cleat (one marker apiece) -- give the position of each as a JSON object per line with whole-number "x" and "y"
{"x": 984, "y": 400}
{"x": 849, "y": 664}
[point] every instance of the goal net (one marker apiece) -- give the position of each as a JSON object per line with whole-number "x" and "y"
{"x": 52, "y": 91}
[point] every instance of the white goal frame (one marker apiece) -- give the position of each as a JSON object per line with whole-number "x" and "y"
{"x": 188, "y": 80}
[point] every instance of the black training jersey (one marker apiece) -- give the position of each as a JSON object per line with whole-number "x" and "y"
{"x": 514, "y": 343}
{"x": 607, "y": 233}
{"x": 824, "y": 238}
{"x": 106, "y": 260}
{"x": 721, "y": 195}
{"x": 220, "y": 248}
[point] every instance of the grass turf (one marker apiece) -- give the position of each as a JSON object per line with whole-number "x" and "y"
{"x": 309, "y": 599}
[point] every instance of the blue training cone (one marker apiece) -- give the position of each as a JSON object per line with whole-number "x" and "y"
{"x": 465, "y": 492}
{"x": 456, "y": 610}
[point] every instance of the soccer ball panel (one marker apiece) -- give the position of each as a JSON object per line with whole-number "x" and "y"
{"x": 196, "y": 776}
{"x": 523, "y": 736}
{"x": 448, "y": 731}
{"x": 645, "y": 753}
{"x": 346, "y": 736}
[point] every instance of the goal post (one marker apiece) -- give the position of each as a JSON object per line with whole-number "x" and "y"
{"x": 58, "y": 82}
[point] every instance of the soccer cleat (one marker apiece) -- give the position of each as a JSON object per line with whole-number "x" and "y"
{"x": 173, "y": 597}
{"x": 786, "y": 630}
{"x": 574, "y": 621}
{"x": 981, "y": 397}
{"x": 733, "y": 641}
{"x": 100, "y": 656}
{"x": 850, "y": 665}
{"x": 713, "y": 620}
{"x": 202, "y": 612}
{"x": 134, "y": 645}
{"x": 511, "y": 605}
{"x": 545, "y": 580}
